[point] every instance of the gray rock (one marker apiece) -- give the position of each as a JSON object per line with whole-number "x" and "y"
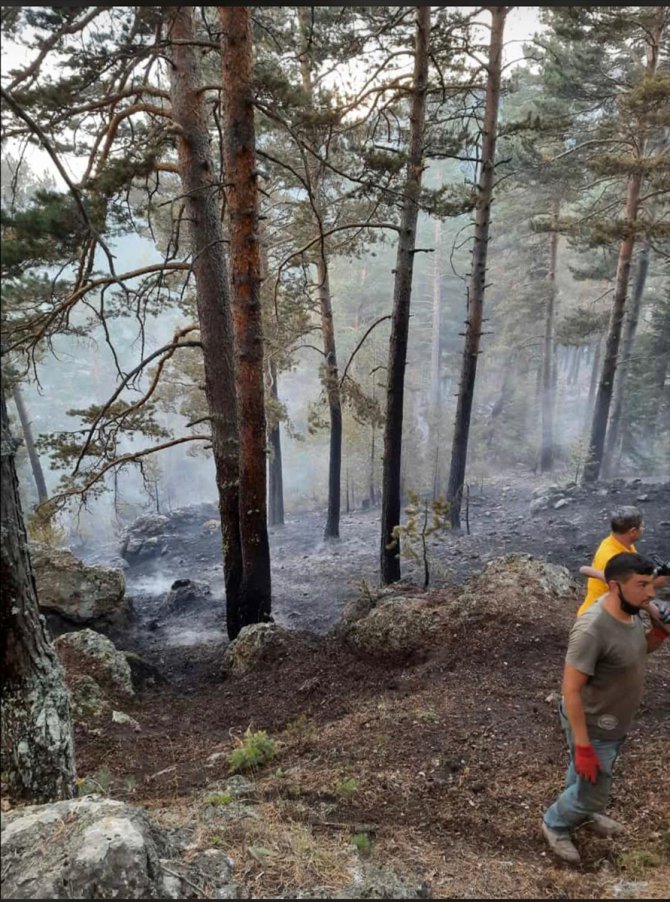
{"x": 88, "y": 699}
{"x": 397, "y": 627}
{"x": 79, "y": 593}
{"x": 87, "y": 848}
{"x": 539, "y": 504}
{"x": 562, "y": 503}
{"x": 109, "y": 664}
{"x": 144, "y": 537}
{"x": 185, "y": 595}
{"x": 630, "y": 889}
{"x": 260, "y": 644}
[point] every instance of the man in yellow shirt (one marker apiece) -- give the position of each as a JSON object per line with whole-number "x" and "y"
{"x": 626, "y": 526}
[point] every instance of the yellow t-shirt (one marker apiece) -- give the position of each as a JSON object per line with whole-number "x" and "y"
{"x": 596, "y": 587}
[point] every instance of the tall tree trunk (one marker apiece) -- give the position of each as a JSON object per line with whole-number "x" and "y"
{"x": 606, "y": 384}
{"x": 435, "y": 346}
{"x": 242, "y": 193}
{"x": 402, "y": 291}
{"x": 37, "y": 744}
{"x": 35, "y": 465}
{"x": 276, "y": 473}
{"x": 201, "y": 197}
{"x": 629, "y": 332}
{"x": 595, "y": 369}
{"x": 473, "y": 326}
{"x": 331, "y": 376}
{"x": 548, "y": 381}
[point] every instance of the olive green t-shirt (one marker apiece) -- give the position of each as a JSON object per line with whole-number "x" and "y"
{"x": 614, "y": 655}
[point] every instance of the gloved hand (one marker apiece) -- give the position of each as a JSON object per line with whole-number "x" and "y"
{"x": 587, "y": 762}
{"x": 662, "y": 616}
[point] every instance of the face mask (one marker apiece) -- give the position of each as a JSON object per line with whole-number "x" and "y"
{"x": 626, "y": 606}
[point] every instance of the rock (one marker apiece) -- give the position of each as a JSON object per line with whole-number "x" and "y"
{"x": 539, "y": 504}
{"x": 516, "y": 585}
{"x": 397, "y": 627}
{"x": 642, "y": 498}
{"x": 123, "y": 718}
{"x": 95, "y": 654}
{"x": 260, "y": 644}
{"x": 78, "y": 593}
{"x": 144, "y": 537}
{"x": 87, "y": 848}
{"x": 370, "y": 882}
{"x": 88, "y": 699}
{"x": 185, "y": 595}
{"x": 630, "y": 889}
{"x": 562, "y": 503}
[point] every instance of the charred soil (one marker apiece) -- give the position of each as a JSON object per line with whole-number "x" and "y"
{"x": 443, "y": 762}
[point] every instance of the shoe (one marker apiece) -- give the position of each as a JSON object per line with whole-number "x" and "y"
{"x": 605, "y": 826}
{"x": 561, "y": 845}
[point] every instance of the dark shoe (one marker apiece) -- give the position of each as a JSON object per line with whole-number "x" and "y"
{"x": 605, "y": 826}
{"x": 561, "y": 845}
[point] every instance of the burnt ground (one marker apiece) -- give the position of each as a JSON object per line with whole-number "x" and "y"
{"x": 445, "y": 762}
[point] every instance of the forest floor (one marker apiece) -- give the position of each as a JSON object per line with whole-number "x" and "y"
{"x": 438, "y": 767}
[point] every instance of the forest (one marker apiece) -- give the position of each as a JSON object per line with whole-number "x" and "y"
{"x": 411, "y": 259}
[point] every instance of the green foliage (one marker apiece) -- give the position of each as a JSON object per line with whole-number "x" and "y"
{"x": 363, "y": 844}
{"x": 41, "y": 526}
{"x": 255, "y": 749}
{"x": 217, "y": 799}
{"x": 346, "y": 788}
{"x": 98, "y": 783}
{"x": 417, "y": 528}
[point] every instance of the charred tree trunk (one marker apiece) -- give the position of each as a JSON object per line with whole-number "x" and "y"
{"x": 37, "y": 743}
{"x": 201, "y": 197}
{"x": 276, "y": 473}
{"x": 629, "y": 332}
{"x": 242, "y": 194}
{"x": 548, "y": 380}
{"x": 475, "y": 306}
{"x": 402, "y": 291}
{"x": 595, "y": 369}
{"x": 331, "y": 376}
{"x": 606, "y": 384}
{"x": 35, "y": 465}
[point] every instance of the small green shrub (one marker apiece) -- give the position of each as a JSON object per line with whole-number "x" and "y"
{"x": 218, "y": 798}
{"x": 363, "y": 844}
{"x": 98, "y": 783}
{"x": 255, "y": 750}
{"x": 347, "y": 788}
{"x": 636, "y": 863}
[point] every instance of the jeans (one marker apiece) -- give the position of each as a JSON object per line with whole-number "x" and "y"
{"x": 581, "y": 799}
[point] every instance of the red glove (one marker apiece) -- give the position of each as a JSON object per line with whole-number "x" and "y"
{"x": 587, "y": 763}
{"x": 660, "y": 633}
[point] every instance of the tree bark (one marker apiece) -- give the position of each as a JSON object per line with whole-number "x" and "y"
{"x": 606, "y": 384}
{"x": 201, "y": 198}
{"x": 629, "y": 332}
{"x": 402, "y": 292}
{"x": 475, "y": 301}
{"x": 548, "y": 381}
{"x": 276, "y": 473}
{"x": 35, "y": 465}
{"x": 37, "y": 743}
{"x": 435, "y": 346}
{"x": 242, "y": 194}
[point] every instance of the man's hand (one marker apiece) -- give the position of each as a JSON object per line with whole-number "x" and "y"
{"x": 587, "y": 762}
{"x": 661, "y": 622}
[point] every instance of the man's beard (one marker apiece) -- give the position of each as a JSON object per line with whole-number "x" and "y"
{"x": 626, "y": 606}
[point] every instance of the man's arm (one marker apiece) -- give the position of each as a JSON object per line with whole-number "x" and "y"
{"x": 573, "y": 683}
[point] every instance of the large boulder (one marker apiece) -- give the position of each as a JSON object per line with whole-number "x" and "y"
{"x": 77, "y": 593}
{"x": 90, "y": 653}
{"x": 261, "y": 644}
{"x": 398, "y": 627}
{"x": 145, "y": 537}
{"x": 95, "y": 848}
{"x": 517, "y": 584}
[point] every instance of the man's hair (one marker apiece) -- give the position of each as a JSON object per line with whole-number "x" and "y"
{"x": 626, "y": 564}
{"x": 625, "y": 518}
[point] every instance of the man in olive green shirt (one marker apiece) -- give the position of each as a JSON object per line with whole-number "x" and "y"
{"x": 602, "y": 686}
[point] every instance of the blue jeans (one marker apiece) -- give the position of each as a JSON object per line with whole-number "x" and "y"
{"x": 581, "y": 799}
